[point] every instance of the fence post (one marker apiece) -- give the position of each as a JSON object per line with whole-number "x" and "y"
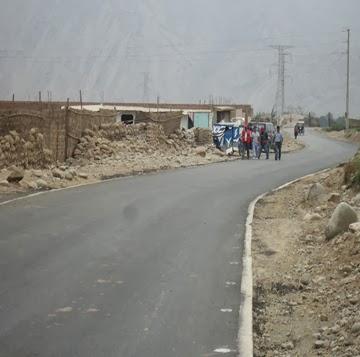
{"x": 66, "y": 128}
{"x": 81, "y": 105}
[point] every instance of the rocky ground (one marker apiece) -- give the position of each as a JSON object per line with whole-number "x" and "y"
{"x": 351, "y": 135}
{"x": 307, "y": 268}
{"x": 290, "y": 144}
{"x": 109, "y": 151}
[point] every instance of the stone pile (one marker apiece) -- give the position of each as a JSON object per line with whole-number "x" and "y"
{"x": 24, "y": 152}
{"x": 203, "y": 136}
{"x": 124, "y": 140}
{"x": 309, "y": 304}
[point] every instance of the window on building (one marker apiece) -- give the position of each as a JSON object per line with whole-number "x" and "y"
{"x": 127, "y": 118}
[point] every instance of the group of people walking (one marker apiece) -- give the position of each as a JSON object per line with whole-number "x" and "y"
{"x": 251, "y": 140}
{"x": 298, "y": 130}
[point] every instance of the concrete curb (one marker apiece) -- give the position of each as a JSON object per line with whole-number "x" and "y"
{"x": 245, "y": 333}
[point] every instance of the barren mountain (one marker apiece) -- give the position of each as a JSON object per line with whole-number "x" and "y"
{"x": 181, "y": 51}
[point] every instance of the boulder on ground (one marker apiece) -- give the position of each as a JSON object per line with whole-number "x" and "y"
{"x": 340, "y": 220}
{"x": 316, "y": 192}
{"x": 16, "y": 175}
{"x": 312, "y": 217}
{"x": 356, "y": 199}
{"x": 334, "y": 197}
{"x": 37, "y": 173}
{"x": 4, "y": 183}
{"x": 58, "y": 173}
{"x": 68, "y": 176}
{"x": 83, "y": 175}
{"x": 354, "y": 227}
{"x": 42, "y": 183}
{"x": 73, "y": 172}
{"x": 201, "y": 151}
{"x": 32, "y": 185}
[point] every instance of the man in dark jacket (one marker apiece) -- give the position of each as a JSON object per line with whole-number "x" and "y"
{"x": 264, "y": 143}
{"x": 278, "y": 139}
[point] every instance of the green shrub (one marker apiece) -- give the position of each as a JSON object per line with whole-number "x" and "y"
{"x": 335, "y": 127}
{"x": 352, "y": 172}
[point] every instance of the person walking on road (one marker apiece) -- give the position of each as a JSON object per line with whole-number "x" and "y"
{"x": 246, "y": 141}
{"x": 264, "y": 143}
{"x": 278, "y": 139}
{"x": 296, "y": 131}
{"x": 255, "y": 136}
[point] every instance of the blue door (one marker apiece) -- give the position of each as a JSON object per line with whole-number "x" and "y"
{"x": 201, "y": 120}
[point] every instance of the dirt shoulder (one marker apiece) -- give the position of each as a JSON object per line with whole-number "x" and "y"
{"x": 117, "y": 151}
{"x": 67, "y": 175}
{"x": 290, "y": 144}
{"x": 351, "y": 136}
{"x": 306, "y": 288}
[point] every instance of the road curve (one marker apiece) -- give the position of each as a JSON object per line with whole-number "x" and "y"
{"x": 141, "y": 266}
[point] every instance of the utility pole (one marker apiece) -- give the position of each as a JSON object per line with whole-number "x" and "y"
{"x": 347, "y": 80}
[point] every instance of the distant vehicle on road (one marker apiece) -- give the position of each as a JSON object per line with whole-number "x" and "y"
{"x": 301, "y": 127}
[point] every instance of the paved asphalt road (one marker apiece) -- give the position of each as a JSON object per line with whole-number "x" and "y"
{"x": 136, "y": 266}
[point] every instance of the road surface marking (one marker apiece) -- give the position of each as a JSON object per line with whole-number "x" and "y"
{"x": 223, "y": 350}
{"x": 91, "y": 310}
{"x": 65, "y": 309}
{"x": 234, "y": 263}
{"x": 230, "y": 283}
{"x": 226, "y": 310}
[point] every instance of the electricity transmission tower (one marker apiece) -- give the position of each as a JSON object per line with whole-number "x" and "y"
{"x": 279, "y": 106}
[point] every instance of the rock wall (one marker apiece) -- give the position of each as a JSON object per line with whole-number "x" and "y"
{"x": 125, "y": 140}
{"x": 64, "y": 133}
{"x": 25, "y": 152}
{"x": 77, "y": 121}
{"x": 60, "y": 129}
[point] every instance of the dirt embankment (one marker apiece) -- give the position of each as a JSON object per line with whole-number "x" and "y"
{"x": 307, "y": 286}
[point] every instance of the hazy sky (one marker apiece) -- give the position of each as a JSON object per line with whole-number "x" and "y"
{"x": 184, "y": 51}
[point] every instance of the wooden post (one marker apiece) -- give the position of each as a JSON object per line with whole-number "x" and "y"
{"x": 66, "y": 128}
{"x": 81, "y": 106}
{"x": 40, "y": 103}
{"x": 13, "y": 97}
